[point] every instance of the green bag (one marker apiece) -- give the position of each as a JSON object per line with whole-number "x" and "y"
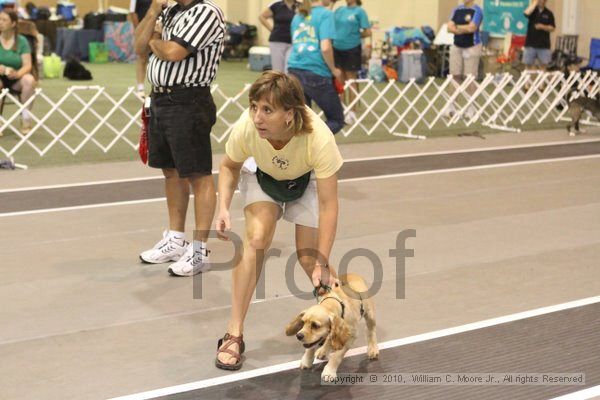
{"x": 52, "y": 66}
{"x": 98, "y": 52}
{"x": 285, "y": 190}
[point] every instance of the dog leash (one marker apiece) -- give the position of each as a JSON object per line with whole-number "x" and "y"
{"x": 327, "y": 289}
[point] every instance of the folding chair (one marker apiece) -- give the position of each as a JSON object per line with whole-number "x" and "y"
{"x": 567, "y": 44}
{"x": 511, "y": 56}
{"x": 594, "y": 63}
{"x": 565, "y": 53}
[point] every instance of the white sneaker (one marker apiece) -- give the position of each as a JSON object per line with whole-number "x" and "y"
{"x": 450, "y": 111}
{"x": 191, "y": 263}
{"x": 350, "y": 118}
{"x": 471, "y": 111}
{"x": 168, "y": 249}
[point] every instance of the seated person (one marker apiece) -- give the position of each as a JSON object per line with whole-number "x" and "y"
{"x": 15, "y": 63}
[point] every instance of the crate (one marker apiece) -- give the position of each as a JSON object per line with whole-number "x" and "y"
{"x": 259, "y": 58}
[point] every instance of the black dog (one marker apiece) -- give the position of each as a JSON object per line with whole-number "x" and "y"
{"x": 576, "y": 109}
{"x": 75, "y": 71}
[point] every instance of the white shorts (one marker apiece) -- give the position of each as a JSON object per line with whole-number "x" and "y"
{"x": 304, "y": 211}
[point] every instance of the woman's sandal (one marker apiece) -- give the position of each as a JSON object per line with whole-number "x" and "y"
{"x": 230, "y": 340}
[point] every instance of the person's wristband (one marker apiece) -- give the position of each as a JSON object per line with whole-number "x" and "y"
{"x": 326, "y": 265}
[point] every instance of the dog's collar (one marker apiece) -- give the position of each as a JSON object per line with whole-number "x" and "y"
{"x": 339, "y": 301}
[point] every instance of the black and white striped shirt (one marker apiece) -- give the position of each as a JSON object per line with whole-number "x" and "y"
{"x": 200, "y": 28}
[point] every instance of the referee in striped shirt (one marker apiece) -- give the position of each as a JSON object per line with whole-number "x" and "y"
{"x": 186, "y": 41}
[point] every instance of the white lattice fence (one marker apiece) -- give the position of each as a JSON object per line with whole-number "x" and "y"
{"x": 90, "y": 116}
{"x": 498, "y": 101}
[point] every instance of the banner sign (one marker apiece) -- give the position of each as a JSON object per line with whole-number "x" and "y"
{"x": 502, "y": 16}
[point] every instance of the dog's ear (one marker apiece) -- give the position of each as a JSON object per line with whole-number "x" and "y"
{"x": 339, "y": 334}
{"x": 295, "y": 325}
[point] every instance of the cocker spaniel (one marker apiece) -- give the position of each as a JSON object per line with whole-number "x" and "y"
{"x": 328, "y": 329}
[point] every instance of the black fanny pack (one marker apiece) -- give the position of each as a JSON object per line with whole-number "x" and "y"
{"x": 285, "y": 190}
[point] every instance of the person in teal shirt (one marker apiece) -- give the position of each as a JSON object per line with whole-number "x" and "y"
{"x": 311, "y": 59}
{"x": 15, "y": 63}
{"x": 351, "y": 25}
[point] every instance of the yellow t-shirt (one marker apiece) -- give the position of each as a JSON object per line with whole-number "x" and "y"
{"x": 305, "y": 152}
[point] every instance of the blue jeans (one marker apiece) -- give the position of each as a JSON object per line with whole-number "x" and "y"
{"x": 530, "y": 54}
{"x": 321, "y": 90}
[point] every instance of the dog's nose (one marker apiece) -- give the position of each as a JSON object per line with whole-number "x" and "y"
{"x": 300, "y": 335}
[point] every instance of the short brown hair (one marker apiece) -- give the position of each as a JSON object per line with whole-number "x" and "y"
{"x": 305, "y": 7}
{"x": 284, "y": 91}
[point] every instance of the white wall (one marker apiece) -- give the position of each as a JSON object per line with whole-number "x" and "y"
{"x": 389, "y": 13}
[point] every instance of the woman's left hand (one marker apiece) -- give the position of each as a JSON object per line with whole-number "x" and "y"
{"x": 12, "y": 74}
{"x": 158, "y": 28}
{"x": 339, "y": 75}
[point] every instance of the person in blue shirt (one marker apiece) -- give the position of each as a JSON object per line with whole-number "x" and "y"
{"x": 311, "y": 60}
{"x": 351, "y": 25}
{"x": 465, "y": 54}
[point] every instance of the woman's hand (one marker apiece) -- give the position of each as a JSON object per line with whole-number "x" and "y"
{"x": 223, "y": 224}
{"x": 12, "y": 74}
{"x": 2, "y": 69}
{"x": 339, "y": 75}
{"x": 158, "y": 28}
{"x": 158, "y": 5}
{"x": 322, "y": 276}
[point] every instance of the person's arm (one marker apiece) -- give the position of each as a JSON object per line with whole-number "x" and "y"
{"x": 365, "y": 25}
{"x": 25, "y": 68}
{"x": 327, "y": 52}
{"x": 145, "y": 30}
{"x": 472, "y": 26}
{"x": 264, "y": 19}
{"x": 229, "y": 174}
{"x": 452, "y": 27}
{"x": 543, "y": 27}
{"x": 451, "y": 24}
{"x": 328, "y": 215}
{"x": 532, "y": 5}
{"x": 168, "y": 50}
{"x": 132, "y": 14}
{"x": 547, "y": 27}
{"x": 190, "y": 35}
{"x": 134, "y": 19}
{"x": 467, "y": 28}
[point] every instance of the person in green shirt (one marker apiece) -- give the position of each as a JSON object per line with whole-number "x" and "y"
{"x": 15, "y": 63}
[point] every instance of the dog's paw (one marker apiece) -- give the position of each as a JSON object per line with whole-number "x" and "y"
{"x": 373, "y": 353}
{"x": 571, "y": 133}
{"x": 305, "y": 365}
{"x": 306, "y": 362}
{"x": 321, "y": 354}
{"x": 328, "y": 375}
